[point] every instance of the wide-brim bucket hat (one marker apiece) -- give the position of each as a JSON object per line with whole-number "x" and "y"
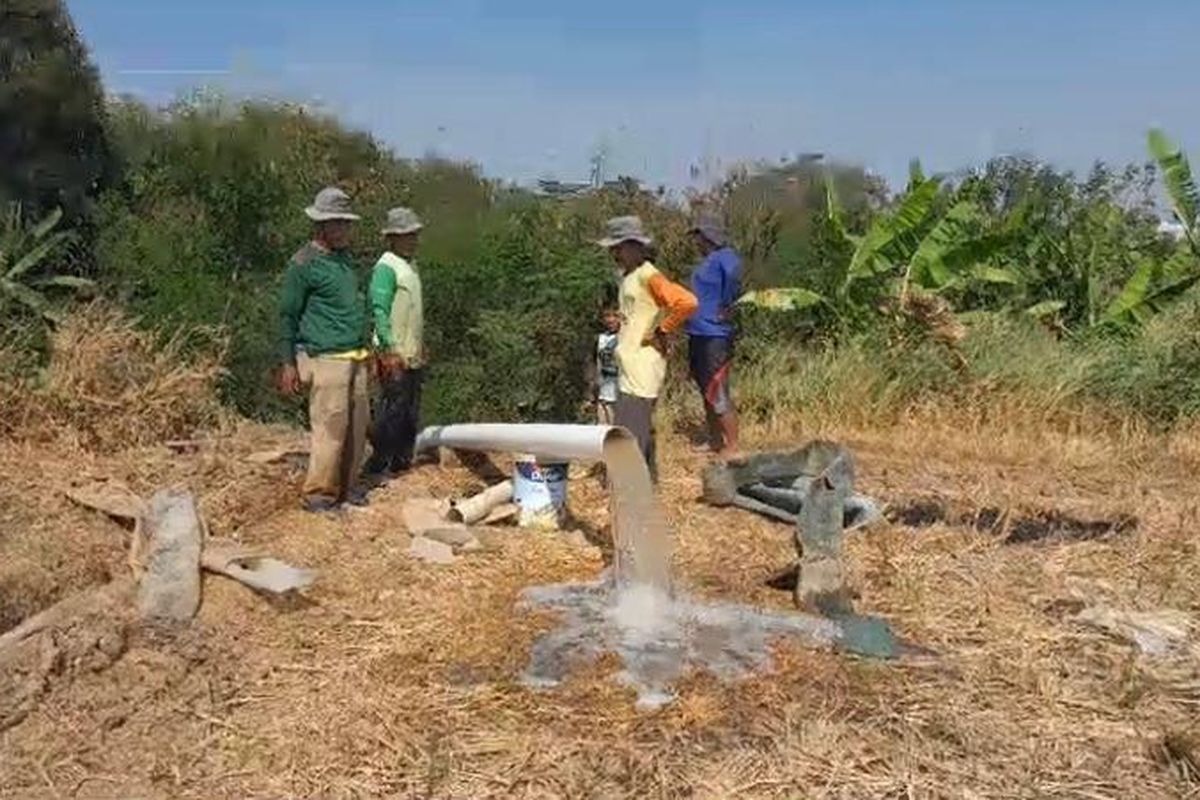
{"x": 402, "y": 221}
{"x": 624, "y": 229}
{"x": 711, "y": 227}
{"x": 331, "y": 203}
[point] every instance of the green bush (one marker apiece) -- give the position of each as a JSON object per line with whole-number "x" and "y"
{"x": 1156, "y": 373}
{"x": 210, "y": 208}
{"x": 53, "y": 148}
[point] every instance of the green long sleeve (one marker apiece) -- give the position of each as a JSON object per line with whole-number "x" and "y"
{"x": 383, "y": 293}
{"x": 291, "y": 306}
{"x": 321, "y": 306}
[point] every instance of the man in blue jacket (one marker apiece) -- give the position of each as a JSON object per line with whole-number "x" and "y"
{"x": 716, "y": 282}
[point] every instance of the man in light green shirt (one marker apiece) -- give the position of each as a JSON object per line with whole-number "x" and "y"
{"x": 398, "y": 314}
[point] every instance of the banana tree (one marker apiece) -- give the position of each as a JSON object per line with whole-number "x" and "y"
{"x": 1076, "y": 254}
{"x": 25, "y": 251}
{"x": 914, "y": 248}
{"x": 919, "y": 248}
{"x": 1180, "y": 185}
{"x": 1155, "y": 283}
{"x": 1065, "y": 269}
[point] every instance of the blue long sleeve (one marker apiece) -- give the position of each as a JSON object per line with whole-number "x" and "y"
{"x": 717, "y": 283}
{"x": 731, "y": 284}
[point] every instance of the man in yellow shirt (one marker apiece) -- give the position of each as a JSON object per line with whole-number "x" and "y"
{"x": 398, "y": 312}
{"x": 652, "y": 308}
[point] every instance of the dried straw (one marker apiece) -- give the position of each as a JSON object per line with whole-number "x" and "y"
{"x": 393, "y": 678}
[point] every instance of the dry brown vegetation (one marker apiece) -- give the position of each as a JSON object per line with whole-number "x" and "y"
{"x": 110, "y": 401}
{"x": 395, "y": 678}
{"x": 110, "y": 385}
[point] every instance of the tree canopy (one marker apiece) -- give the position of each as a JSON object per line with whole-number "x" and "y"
{"x": 53, "y": 149}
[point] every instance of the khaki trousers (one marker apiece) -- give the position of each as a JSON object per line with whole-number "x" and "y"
{"x": 338, "y": 413}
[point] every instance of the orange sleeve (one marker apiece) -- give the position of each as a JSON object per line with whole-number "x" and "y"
{"x": 678, "y": 301}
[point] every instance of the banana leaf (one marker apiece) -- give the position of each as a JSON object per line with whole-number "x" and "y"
{"x": 69, "y": 282}
{"x": 955, "y": 232}
{"x": 37, "y": 255}
{"x": 1177, "y": 176}
{"x": 1151, "y": 287}
{"x": 1045, "y": 308}
{"x": 28, "y": 297}
{"x": 990, "y": 274}
{"x": 792, "y": 298}
{"x": 895, "y": 232}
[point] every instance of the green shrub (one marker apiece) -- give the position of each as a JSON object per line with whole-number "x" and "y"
{"x": 1155, "y": 374}
{"x": 53, "y": 149}
{"x": 210, "y": 208}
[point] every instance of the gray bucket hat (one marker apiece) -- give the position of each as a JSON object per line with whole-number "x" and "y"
{"x": 624, "y": 229}
{"x": 711, "y": 227}
{"x": 329, "y": 204}
{"x": 401, "y": 221}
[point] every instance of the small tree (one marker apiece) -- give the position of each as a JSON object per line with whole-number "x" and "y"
{"x": 1156, "y": 283}
{"x": 26, "y": 252}
{"x": 53, "y": 149}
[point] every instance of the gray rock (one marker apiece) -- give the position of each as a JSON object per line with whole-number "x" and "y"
{"x": 456, "y": 536}
{"x": 170, "y": 589}
{"x": 578, "y": 539}
{"x": 431, "y": 552}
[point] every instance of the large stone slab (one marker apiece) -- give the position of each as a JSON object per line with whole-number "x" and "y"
{"x": 170, "y": 588}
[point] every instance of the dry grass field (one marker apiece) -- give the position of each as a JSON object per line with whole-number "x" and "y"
{"x": 394, "y": 678}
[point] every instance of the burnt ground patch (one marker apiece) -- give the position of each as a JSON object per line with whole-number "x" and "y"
{"x": 918, "y": 513}
{"x": 1013, "y": 526}
{"x": 784, "y": 580}
{"x": 1057, "y": 526}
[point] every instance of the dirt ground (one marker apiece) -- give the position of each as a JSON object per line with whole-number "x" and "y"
{"x": 399, "y": 679}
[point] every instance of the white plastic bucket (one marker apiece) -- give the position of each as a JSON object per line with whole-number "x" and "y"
{"x": 540, "y": 490}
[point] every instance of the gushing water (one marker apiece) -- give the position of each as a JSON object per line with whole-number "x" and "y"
{"x": 640, "y": 535}
{"x": 658, "y": 638}
{"x": 634, "y": 612}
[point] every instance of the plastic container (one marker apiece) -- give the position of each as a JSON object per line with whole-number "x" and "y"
{"x": 540, "y": 490}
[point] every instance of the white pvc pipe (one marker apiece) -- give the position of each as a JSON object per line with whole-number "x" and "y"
{"x": 640, "y": 535}
{"x": 546, "y": 441}
{"x": 473, "y": 509}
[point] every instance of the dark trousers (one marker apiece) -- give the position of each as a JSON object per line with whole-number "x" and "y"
{"x": 636, "y": 415}
{"x": 709, "y": 359}
{"x": 397, "y": 421}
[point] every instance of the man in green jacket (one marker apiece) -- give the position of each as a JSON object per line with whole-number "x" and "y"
{"x": 397, "y": 309}
{"x": 323, "y": 343}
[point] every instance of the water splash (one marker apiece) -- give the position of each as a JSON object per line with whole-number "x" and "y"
{"x": 633, "y": 610}
{"x": 658, "y": 638}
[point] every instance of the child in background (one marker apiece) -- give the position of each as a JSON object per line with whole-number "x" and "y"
{"x": 606, "y": 367}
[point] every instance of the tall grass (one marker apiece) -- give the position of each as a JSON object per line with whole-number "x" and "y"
{"x": 1156, "y": 373}
{"x": 1013, "y": 373}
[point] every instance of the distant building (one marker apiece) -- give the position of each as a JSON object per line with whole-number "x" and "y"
{"x": 556, "y": 188}
{"x": 1172, "y": 228}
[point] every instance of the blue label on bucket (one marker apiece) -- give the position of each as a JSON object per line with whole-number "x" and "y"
{"x": 537, "y": 486}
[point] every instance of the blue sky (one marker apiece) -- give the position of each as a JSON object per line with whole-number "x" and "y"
{"x": 531, "y": 88}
